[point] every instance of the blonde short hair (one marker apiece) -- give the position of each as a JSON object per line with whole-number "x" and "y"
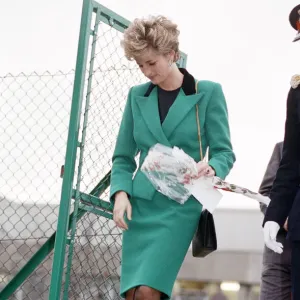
{"x": 155, "y": 32}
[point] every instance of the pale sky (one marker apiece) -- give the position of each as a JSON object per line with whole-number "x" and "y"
{"x": 244, "y": 45}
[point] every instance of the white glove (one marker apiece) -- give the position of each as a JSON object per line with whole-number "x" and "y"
{"x": 270, "y": 232}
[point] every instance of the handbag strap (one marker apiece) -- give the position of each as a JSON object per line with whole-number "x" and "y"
{"x": 198, "y": 124}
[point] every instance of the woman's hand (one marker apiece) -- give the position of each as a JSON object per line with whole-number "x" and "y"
{"x": 122, "y": 205}
{"x": 203, "y": 170}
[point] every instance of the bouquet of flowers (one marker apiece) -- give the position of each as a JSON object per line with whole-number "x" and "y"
{"x": 166, "y": 168}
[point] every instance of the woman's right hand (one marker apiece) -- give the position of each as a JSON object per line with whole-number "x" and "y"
{"x": 122, "y": 205}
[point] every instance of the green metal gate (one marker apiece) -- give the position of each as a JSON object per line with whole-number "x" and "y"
{"x": 87, "y": 243}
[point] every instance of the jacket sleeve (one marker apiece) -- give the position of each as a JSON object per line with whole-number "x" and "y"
{"x": 123, "y": 160}
{"x": 221, "y": 156}
{"x": 287, "y": 181}
{"x": 270, "y": 174}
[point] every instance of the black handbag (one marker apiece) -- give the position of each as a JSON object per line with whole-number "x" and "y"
{"x": 205, "y": 238}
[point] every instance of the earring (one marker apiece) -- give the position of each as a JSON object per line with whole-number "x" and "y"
{"x": 170, "y": 63}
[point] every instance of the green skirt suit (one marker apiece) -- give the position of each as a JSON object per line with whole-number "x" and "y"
{"x": 161, "y": 230}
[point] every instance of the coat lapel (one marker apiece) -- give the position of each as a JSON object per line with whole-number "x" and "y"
{"x": 150, "y": 113}
{"x": 180, "y": 108}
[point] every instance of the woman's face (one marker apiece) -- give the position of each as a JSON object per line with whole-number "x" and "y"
{"x": 156, "y": 67}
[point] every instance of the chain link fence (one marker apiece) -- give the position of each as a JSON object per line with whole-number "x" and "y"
{"x": 34, "y": 116}
{"x": 34, "y": 126}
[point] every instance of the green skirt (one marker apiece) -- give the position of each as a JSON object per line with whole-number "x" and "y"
{"x": 156, "y": 242}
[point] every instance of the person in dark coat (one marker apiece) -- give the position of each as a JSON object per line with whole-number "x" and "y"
{"x": 276, "y": 272}
{"x": 285, "y": 196}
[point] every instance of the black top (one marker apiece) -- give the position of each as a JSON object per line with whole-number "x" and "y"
{"x": 165, "y": 101}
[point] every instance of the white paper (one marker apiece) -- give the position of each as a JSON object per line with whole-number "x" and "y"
{"x": 205, "y": 193}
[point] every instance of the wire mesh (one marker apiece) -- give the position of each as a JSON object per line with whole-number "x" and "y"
{"x": 34, "y": 116}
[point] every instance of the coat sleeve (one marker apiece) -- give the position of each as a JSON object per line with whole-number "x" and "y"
{"x": 270, "y": 174}
{"x": 123, "y": 160}
{"x": 221, "y": 156}
{"x": 287, "y": 179}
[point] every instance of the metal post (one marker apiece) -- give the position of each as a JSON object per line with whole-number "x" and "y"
{"x": 84, "y": 127}
{"x": 64, "y": 210}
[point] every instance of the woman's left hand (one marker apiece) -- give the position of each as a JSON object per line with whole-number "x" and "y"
{"x": 203, "y": 170}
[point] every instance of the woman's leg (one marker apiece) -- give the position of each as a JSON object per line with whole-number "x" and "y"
{"x": 143, "y": 293}
{"x": 146, "y": 293}
{"x": 130, "y": 294}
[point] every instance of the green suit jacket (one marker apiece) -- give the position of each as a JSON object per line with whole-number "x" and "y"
{"x": 141, "y": 128}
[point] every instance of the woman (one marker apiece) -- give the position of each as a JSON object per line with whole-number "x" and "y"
{"x": 158, "y": 230}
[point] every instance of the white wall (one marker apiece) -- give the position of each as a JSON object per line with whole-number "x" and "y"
{"x": 239, "y": 254}
{"x": 239, "y": 229}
